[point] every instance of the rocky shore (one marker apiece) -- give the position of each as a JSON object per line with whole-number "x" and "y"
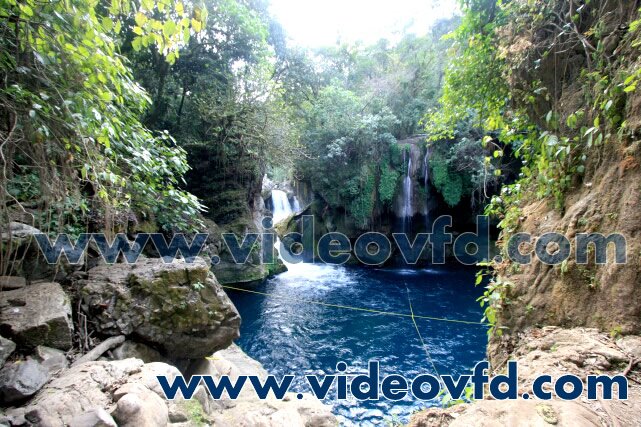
{"x": 555, "y": 351}
{"x": 85, "y": 351}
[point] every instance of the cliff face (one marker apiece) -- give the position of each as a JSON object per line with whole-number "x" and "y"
{"x": 572, "y": 69}
{"x": 605, "y": 195}
{"x": 600, "y": 296}
{"x": 229, "y": 184}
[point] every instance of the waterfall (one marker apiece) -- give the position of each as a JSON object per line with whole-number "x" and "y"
{"x": 426, "y": 167}
{"x": 406, "y": 212}
{"x": 282, "y": 208}
{"x": 426, "y": 178}
{"x": 295, "y": 205}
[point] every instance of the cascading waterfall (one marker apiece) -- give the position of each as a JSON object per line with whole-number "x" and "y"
{"x": 406, "y": 212}
{"x": 282, "y": 208}
{"x": 426, "y": 178}
{"x": 426, "y": 168}
{"x": 295, "y": 205}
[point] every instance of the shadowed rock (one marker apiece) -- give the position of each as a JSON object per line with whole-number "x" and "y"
{"x": 39, "y": 314}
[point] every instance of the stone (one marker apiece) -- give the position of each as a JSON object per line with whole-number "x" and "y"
{"x": 148, "y": 373}
{"x": 7, "y": 347}
{"x": 248, "y": 410}
{"x": 52, "y": 359}
{"x": 177, "y": 413}
{"x": 96, "y": 417}
{"x": 631, "y": 344}
{"x": 177, "y": 307}
{"x": 39, "y": 314}
{"x": 129, "y": 388}
{"x": 526, "y": 413}
{"x": 127, "y": 393}
{"x": 137, "y": 350}
{"x": 141, "y": 410}
{"x": 13, "y": 417}
{"x": 9, "y": 283}
{"x": 552, "y": 351}
{"x": 19, "y": 233}
{"x": 91, "y": 385}
{"x": 22, "y": 379}
{"x": 31, "y": 264}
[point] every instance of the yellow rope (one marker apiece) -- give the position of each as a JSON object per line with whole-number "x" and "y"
{"x": 429, "y": 356}
{"x": 347, "y": 307}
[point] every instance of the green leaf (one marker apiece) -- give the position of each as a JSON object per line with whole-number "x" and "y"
{"x": 107, "y": 24}
{"x": 141, "y": 19}
{"x": 136, "y": 43}
{"x": 26, "y": 9}
{"x": 169, "y": 29}
{"x": 196, "y": 25}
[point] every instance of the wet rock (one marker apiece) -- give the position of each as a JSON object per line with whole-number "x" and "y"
{"x": 6, "y": 348}
{"x": 39, "y": 314}
{"x": 178, "y": 307}
{"x": 9, "y": 283}
{"x": 96, "y": 417}
{"x": 22, "y": 379}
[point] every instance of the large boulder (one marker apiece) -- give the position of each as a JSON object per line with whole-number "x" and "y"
{"x": 177, "y": 307}
{"x": 38, "y": 314}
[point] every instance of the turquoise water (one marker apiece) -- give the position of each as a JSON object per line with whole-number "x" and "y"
{"x": 289, "y": 336}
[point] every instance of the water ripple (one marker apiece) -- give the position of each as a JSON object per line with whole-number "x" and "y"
{"x": 301, "y": 339}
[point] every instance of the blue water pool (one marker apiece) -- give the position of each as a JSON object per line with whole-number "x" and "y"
{"x": 289, "y": 336}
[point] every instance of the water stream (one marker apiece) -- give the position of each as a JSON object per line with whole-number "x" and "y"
{"x": 407, "y": 211}
{"x": 282, "y": 209}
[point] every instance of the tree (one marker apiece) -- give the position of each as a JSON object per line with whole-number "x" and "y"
{"x": 71, "y": 111}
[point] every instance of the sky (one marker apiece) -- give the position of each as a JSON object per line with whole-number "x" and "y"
{"x": 316, "y": 23}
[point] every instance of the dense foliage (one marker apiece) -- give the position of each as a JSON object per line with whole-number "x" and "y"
{"x": 231, "y": 100}
{"x": 510, "y": 74}
{"x": 368, "y": 98}
{"x": 72, "y": 136}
